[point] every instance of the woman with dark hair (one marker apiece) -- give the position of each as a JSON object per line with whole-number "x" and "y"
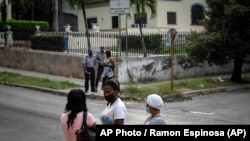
{"x": 109, "y": 67}
{"x": 71, "y": 119}
{"x": 115, "y": 113}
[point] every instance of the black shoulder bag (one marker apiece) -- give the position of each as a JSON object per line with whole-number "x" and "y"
{"x": 85, "y": 133}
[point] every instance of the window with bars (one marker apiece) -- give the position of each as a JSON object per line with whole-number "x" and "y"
{"x": 197, "y": 14}
{"x": 90, "y": 21}
{"x": 115, "y": 21}
{"x": 143, "y": 19}
{"x": 171, "y": 17}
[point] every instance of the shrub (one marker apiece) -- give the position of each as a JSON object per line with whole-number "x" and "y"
{"x": 24, "y": 29}
{"x": 49, "y": 43}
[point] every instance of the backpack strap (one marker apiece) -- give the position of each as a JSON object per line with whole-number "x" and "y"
{"x": 84, "y": 123}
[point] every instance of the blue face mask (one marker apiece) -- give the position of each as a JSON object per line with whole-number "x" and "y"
{"x": 147, "y": 110}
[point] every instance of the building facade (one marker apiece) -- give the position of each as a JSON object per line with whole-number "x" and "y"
{"x": 183, "y": 15}
{"x": 67, "y": 16}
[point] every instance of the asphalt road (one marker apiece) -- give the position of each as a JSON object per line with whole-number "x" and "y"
{"x": 29, "y": 115}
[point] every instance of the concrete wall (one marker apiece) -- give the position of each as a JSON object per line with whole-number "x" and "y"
{"x": 131, "y": 69}
{"x": 159, "y": 68}
{"x": 61, "y": 64}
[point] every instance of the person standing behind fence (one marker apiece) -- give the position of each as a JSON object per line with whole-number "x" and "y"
{"x": 99, "y": 58}
{"x": 89, "y": 62}
{"x": 109, "y": 67}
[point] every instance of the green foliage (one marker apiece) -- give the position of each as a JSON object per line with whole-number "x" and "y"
{"x": 152, "y": 41}
{"x": 207, "y": 48}
{"x": 35, "y": 10}
{"x": 133, "y": 91}
{"x": 140, "y": 7}
{"x": 19, "y": 27}
{"x": 227, "y": 35}
{"x": 195, "y": 47}
{"x": 133, "y": 42}
{"x": 230, "y": 20}
{"x": 26, "y": 24}
{"x": 50, "y": 43}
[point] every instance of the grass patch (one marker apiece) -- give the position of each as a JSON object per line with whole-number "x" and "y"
{"x": 34, "y": 81}
{"x": 133, "y": 91}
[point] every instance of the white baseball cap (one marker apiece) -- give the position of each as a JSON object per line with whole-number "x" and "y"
{"x": 155, "y": 101}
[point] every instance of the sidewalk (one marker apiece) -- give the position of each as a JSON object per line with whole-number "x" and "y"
{"x": 80, "y": 82}
{"x": 53, "y": 78}
{"x": 99, "y": 94}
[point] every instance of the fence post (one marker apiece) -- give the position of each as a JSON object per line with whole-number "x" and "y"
{"x": 37, "y": 32}
{"x": 9, "y": 35}
{"x": 66, "y": 41}
{"x": 2, "y": 38}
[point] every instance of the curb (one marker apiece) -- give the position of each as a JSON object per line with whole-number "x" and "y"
{"x": 215, "y": 90}
{"x": 190, "y": 94}
{"x": 169, "y": 98}
{"x": 52, "y": 91}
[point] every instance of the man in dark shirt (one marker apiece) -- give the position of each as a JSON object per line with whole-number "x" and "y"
{"x": 99, "y": 58}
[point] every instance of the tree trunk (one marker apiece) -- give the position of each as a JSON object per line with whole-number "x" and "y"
{"x": 32, "y": 9}
{"x": 4, "y": 12}
{"x": 142, "y": 40}
{"x": 4, "y": 19}
{"x": 86, "y": 24}
{"x": 55, "y": 16}
{"x": 236, "y": 75}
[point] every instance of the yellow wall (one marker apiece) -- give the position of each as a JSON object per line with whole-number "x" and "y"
{"x": 182, "y": 9}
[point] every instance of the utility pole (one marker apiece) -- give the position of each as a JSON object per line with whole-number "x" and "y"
{"x": 119, "y": 40}
{"x": 173, "y": 33}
